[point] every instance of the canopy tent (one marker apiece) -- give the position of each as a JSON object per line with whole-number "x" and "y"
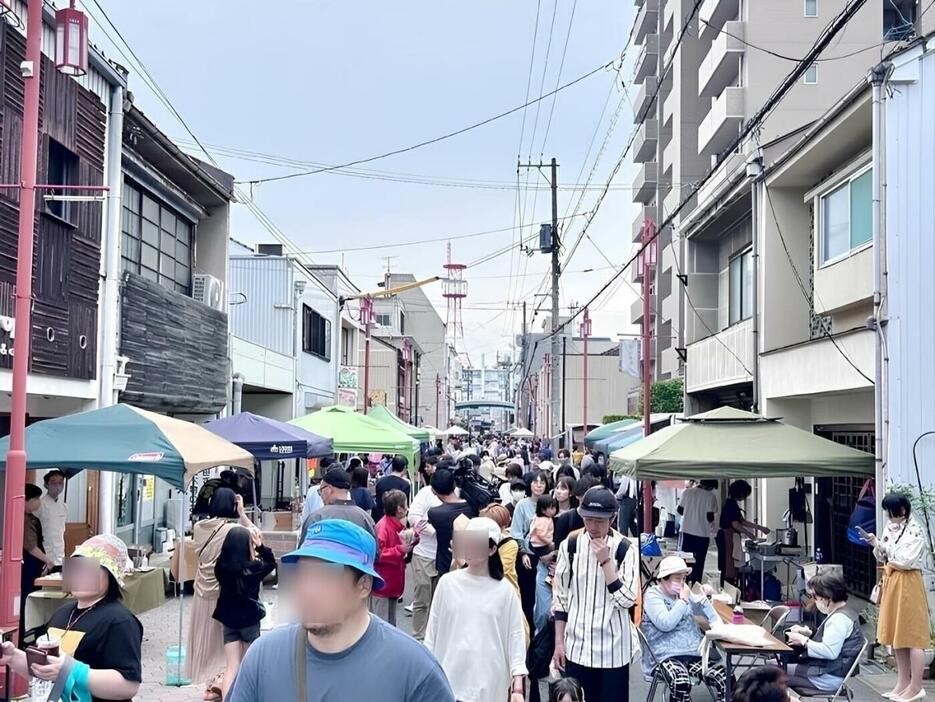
{"x": 268, "y": 439}
{"x": 454, "y": 430}
{"x": 353, "y": 432}
{"x": 521, "y": 433}
{"x": 605, "y": 430}
{"x": 125, "y": 439}
{"x": 381, "y": 414}
{"x": 619, "y": 439}
{"x": 738, "y": 444}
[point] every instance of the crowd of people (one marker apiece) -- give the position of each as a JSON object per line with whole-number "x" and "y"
{"x": 523, "y": 578}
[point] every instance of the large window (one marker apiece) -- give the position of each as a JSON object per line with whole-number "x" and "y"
{"x": 846, "y": 217}
{"x": 740, "y": 287}
{"x": 382, "y": 320}
{"x": 157, "y": 241}
{"x": 316, "y": 334}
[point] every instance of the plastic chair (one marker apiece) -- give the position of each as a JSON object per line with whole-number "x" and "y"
{"x": 657, "y": 671}
{"x": 812, "y": 694}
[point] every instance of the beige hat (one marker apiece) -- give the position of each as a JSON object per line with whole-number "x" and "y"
{"x": 672, "y": 565}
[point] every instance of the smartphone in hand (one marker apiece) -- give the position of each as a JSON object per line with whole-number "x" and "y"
{"x": 36, "y": 656}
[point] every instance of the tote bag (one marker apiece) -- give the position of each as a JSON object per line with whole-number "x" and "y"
{"x": 863, "y": 516}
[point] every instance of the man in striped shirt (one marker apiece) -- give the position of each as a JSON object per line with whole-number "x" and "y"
{"x": 596, "y": 584}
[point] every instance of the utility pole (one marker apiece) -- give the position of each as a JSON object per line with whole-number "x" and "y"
{"x": 647, "y": 260}
{"x": 523, "y": 394}
{"x": 438, "y": 397}
{"x": 366, "y": 315}
{"x": 585, "y": 333}
{"x": 553, "y": 247}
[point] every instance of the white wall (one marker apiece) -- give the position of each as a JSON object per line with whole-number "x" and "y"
{"x": 315, "y": 377}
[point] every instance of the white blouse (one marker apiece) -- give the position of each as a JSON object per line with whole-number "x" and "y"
{"x": 903, "y": 550}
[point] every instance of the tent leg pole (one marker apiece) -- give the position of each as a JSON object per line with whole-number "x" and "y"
{"x": 181, "y": 583}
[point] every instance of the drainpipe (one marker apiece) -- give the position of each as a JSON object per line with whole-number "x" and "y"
{"x": 237, "y": 393}
{"x": 876, "y": 77}
{"x": 754, "y": 172}
{"x": 110, "y": 304}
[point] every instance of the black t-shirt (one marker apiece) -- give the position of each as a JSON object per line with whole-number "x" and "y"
{"x": 384, "y": 485}
{"x": 565, "y": 523}
{"x": 105, "y": 636}
{"x": 443, "y": 519}
{"x": 730, "y": 513}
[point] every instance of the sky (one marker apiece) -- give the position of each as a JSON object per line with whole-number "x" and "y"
{"x": 329, "y": 81}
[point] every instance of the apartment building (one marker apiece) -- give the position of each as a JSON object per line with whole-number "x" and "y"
{"x": 718, "y": 77}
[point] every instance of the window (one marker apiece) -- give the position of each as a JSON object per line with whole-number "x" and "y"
{"x": 316, "y": 334}
{"x": 156, "y": 240}
{"x": 382, "y": 320}
{"x": 125, "y": 499}
{"x": 811, "y": 75}
{"x": 62, "y": 170}
{"x": 811, "y": 8}
{"x": 740, "y": 287}
{"x": 847, "y": 217}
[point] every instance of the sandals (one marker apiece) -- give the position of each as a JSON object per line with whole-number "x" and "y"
{"x": 213, "y": 691}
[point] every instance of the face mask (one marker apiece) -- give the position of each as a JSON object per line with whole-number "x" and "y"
{"x": 517, "y": 495}
{"x": 54, "y": 490}
{"x": 823, "y": 607}
{"x": 675, "y": 587}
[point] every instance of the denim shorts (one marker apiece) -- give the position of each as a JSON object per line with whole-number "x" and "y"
{"x": 247, "y": 634}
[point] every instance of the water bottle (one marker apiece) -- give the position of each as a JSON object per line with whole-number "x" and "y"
{"x": 819, "y": 556}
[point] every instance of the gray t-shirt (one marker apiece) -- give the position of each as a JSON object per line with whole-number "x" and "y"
{"x": 347, "y": 511}
{"x": 385, "y": 664}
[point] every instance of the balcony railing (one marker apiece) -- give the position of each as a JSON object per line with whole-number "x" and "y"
{"x": 647, "y": 138}
{"x": 646, "y": 62}
{"x": 722, "y": 359}
{"x": 722, "y": 122}
{"x": 644, "y": 185}
{"x": 714, "y": 13}
{"x": 720, "y": 67}
{"x": 647, "y": 19}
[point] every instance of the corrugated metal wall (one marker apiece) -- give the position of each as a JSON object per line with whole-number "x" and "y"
{"x": 910, "y": 241}
{"x": 266, "y": 316}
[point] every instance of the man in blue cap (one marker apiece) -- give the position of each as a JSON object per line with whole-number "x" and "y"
{"x": 338, "y": 651}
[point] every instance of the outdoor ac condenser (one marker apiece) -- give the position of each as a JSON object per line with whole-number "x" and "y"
{"x": 208, "y": 290}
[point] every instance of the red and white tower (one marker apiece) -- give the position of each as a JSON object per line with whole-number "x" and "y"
{"x": 454, "y": 290}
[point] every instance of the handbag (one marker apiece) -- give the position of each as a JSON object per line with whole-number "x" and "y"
{"x": 649, "y": 545}
{"x": 863, "y": 516}
{"x": 876, "y": 595}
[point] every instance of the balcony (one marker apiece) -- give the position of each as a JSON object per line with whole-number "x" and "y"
{"x": 669, "y": 362}
{"x": 714, "y": 13}
{"x": 671, "y": 311}
{"x": 721, "y": 124}
{"x": 720, "y": 67}
{"x": 667, "y": 260}
{"x": 722, "y": 359}
{"x": 647, "y": 211}
{"x": 644, "y": 185}
{"x": 644, "y": 105}
{"x": 647, "y": 18}
{"x": 636, "y": 310}
{"x": 647, "y": 139}
{"x": 646, "y": 61}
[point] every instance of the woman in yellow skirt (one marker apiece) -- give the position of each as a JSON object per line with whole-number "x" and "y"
{"x": 903, "y": 622}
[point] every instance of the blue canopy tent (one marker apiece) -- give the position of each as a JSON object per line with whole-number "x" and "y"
{"x": 620, "y": 438}
{"x": 268, "y": 439}
{"x": 606, "y": 430}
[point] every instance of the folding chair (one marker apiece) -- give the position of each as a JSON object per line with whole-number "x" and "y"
{"x": 658, "y": 676}
{"x": 813, "y": 694}
{"x": 777, "y": 615}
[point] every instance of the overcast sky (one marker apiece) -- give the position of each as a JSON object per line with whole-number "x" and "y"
{"x": 331, "y": 81}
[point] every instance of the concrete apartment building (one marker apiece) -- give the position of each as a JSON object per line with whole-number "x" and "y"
{"x": 719, "y": 77}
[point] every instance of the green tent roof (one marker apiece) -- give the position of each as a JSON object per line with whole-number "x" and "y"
{"x": 353, "y": 432}
{"x": 381, "y": 414}
{"x": 605, "y": 430}
{"x": 728, "y": 442}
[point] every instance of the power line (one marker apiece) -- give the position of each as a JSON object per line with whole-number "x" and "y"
{"x": 435, "y": 140}
{"x": 558, "y": 77}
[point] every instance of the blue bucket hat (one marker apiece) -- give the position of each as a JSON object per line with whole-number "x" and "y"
{"x": 342, "y": 542}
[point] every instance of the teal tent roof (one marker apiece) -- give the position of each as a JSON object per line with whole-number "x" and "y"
{"x": 605, "y": 430}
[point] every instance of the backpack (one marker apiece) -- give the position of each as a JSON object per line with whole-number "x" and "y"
{"x": 636, "y": 612}
{"x": 541, "y": 649}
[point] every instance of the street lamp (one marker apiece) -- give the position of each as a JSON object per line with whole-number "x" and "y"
{"x": 15, "y": 478}
{"x": 71, "y": 41}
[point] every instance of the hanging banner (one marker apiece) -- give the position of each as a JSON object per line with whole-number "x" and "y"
{"x": 630, "y": 357}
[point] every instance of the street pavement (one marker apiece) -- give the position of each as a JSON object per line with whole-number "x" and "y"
{"x": 160, "y": 630}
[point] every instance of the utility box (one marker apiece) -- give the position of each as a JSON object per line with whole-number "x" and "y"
{"x": 545, "y": 238}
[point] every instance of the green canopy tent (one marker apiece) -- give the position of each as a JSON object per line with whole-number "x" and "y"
{"x": 605, "y": 430}
{"x": 381, "y": 414}
{"x": 738, "y": 444}
{"x": 353, "y": 432}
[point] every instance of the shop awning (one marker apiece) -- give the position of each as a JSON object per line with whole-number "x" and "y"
{"x": 727, "y": 442}
{"x": 125, "y": 439}
{"x": 381, "y": 414}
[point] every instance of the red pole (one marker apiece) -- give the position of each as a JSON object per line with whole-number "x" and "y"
{"x": 646, "y": 261}
{"x": 366, "y": 310}
{"x": 438, "y": 397}
{"x": 15, "y": 480}
{"x": 585, "y": 333}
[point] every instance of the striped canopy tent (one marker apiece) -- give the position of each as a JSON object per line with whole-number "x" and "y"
{"x": 126, "y": 439}
{"x": 353, "y": 432}
{"x": 730, "y": 442}
{"x": 618, "y": 439}
{"x": 381, "y": 414}
{"x": 605, "y": 430}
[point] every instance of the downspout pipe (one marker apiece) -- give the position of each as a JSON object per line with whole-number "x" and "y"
{"x": 876, "y": 78}
{"x": 110, "y": 304}
{"x": 237, "y": 381}
{"x": 755, "y": 173}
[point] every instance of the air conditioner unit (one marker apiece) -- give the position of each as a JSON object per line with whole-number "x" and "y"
{"x": 208, "y": 290}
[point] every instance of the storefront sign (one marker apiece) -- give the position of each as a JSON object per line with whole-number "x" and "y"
{"x": 347, "y": 397}
{"x": 347, "y": 377}
{"x": 7, "y": 334}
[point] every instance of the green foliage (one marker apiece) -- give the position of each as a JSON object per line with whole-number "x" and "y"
{"x": 608, "y": 418}
{"x": 666, "y": 396}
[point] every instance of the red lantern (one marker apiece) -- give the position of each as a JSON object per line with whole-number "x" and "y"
{"x": 71, "y": 41}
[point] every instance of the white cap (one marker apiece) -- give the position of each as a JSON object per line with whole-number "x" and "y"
{"x": 672, "y": 565}
{"x": 488, "y": 525}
